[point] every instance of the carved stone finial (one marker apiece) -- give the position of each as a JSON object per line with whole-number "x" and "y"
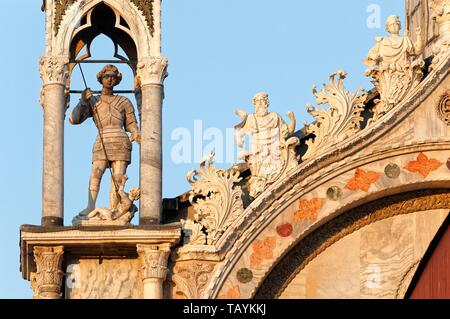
{"x": 215, "y": 197}
{"x": 272, "y": 151}
{"x": 49, "y": 275}
{"x": 154, "y": 260}
{"x": 152, "y": 71}
{"x": 395, "y": 66}
{"x": 53, "y": 69}
{"x": 341, "y": 120}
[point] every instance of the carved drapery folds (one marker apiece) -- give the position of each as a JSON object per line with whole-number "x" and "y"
{"x": 441, "y": 14}
{"x": 341, "y": 120}
{"x": 152, "y": 71}
{"x": 273, "y": 147}
{"x": 395, "y": 66}
{"x": 154, "y": 260}
{"x": 216, "y": 199}
{"x": 191, "y": 278}
{"x": 47, "y": 281}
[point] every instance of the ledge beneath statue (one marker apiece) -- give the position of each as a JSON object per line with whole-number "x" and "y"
{"x": 93, "y": 241}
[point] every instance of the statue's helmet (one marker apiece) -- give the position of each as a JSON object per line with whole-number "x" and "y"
{"x": 110, "y": 70}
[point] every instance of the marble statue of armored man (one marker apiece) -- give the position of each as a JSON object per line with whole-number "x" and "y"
{"x": 114, "y": 116}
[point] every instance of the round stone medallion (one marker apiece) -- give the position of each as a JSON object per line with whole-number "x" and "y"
{"x": 392, "y": 170}
{"x": 244, "y": 275}
{"x": 334, "y": 193}
{"x": 285, "y": 230}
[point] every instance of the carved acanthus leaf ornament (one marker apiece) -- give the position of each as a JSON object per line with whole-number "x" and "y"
{"x": 61, "y": 7}
{"x": 339, "y": 121}
{"x": 191, "y": 279}
{"x": 215, "y": 197}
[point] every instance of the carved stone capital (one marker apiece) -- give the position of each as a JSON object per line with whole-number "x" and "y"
{"x": 48, "y": 279}
{"x": 152, "y": 70}
{"x": 54, "y": 69}
{"x": 154, "y": 260}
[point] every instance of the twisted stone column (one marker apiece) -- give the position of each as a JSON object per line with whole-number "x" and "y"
{"x": 54, "y": 73}
{"x": 151, "y": 74}
{"x": 154, "y": 260}
{"x": 47, "y": 281}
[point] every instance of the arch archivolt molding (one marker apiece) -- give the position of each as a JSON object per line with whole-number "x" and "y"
{"x": 321, "y": 197}
{"x": 145, "y": 38}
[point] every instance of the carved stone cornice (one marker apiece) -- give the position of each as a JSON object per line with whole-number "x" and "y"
{"x": 154, "y": 260}
{"x": 146, "y": 7}
{"x": 152, "y": 70}
{"x": 53, "y": 69}
{"x": 49, "y": 275}
{"x": 61, "y": 7}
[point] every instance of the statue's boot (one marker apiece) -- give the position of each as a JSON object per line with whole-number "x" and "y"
{"x": 83, "y": 215}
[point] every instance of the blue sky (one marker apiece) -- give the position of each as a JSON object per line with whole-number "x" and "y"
{"x": 220, "y": 52}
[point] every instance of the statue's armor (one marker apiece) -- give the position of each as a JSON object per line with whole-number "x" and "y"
{"x": 112, "y": 116}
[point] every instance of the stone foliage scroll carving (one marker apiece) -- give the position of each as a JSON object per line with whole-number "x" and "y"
{"x": 61, "y": 7}
{"x": 146, "y": 7}
{"x": 216, "y": 199}
{"x": 191, "y": 278}
{"x": 193, "y": 233}
{"x": 338, "y": 122}
{"x": 395, "y": 66}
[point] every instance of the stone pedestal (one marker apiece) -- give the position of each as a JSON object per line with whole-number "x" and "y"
{"x": 100, "y": 262}
{"x": 150, "y": 75}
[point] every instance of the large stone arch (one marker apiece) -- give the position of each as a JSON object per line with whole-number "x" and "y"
{"x": 345, "y": 224}
{"x": 266, "y": 242}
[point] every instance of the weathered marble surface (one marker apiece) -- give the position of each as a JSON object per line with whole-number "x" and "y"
{"x": 104, "y": 279}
